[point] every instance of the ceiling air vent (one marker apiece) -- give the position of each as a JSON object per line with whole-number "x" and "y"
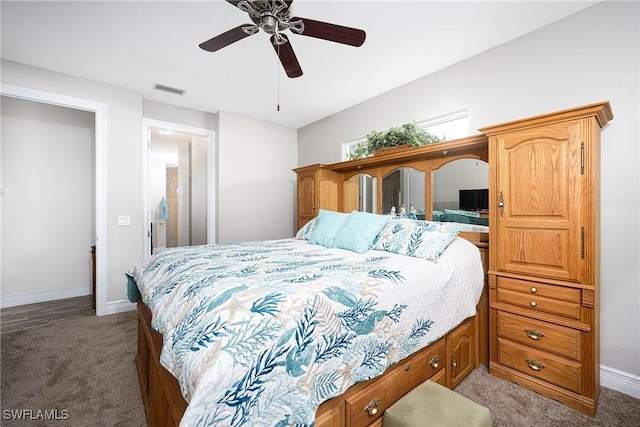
{"x": 169, "y": 89}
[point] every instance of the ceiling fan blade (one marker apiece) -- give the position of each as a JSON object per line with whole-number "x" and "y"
{"x": 332, "y": 32}
{"x": 287, "y": 56}
{"x": 225, "y": 39}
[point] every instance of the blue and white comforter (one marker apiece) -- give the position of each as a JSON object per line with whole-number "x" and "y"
{"x": 262, "y": 333}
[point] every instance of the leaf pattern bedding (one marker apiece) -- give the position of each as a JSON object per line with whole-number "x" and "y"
{"x": 261, "y": 333}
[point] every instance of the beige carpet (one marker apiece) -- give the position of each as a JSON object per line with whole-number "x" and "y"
{"x": 84, "y": 370}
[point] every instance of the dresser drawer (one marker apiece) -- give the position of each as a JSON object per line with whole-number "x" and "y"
{"x": 369, "y": 404}
{"x": 559, "y": 300}
{"x": 540, "y": 364}
{"x": 536, "y": 333}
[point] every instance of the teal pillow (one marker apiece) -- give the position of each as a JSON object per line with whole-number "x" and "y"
{"x": 359, "y": 230}
{"x": 327, "y": 226}
{"x": 419, "y": 239}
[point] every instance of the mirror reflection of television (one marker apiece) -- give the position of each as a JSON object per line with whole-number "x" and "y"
{"x": 474, "y": 200}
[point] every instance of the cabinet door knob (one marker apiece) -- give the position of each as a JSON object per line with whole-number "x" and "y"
{"x": 533, "y": 303}
{"x": 372, "y": 407}
{"x": 534, "y": 290}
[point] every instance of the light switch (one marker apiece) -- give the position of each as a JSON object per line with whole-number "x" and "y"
{"x": 124, "y": 220}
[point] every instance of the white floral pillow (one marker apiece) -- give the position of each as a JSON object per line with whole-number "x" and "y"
{"x": 305, "y": 232}
{"x": 419, "y": 239}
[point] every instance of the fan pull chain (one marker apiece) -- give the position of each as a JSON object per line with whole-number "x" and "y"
{"x": 278, "y": 78}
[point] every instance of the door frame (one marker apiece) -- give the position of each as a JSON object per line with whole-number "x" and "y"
{"x": 100, "y": 132}
{"x": 147, "y": 125}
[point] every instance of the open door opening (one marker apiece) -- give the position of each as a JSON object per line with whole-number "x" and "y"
{"x": 180, "y": 184}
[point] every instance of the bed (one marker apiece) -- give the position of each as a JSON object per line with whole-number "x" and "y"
{"x": 292, "y": 332}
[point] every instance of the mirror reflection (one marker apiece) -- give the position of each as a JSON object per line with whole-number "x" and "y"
{"x": 460, "y": 192}
{"x": 404, "y": 189}
{"x": 361, "y": 193}
{"x": 367, "y": 200}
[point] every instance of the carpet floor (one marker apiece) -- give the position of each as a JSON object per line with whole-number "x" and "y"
{"x": 82, "y": 372}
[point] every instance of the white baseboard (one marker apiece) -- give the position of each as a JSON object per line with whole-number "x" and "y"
{"x": 44, "y": 296}
{"x": 623, "y": 382}
{"x": 120, "y": 306}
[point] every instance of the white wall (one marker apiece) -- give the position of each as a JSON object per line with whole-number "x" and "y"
{"x": 256, "y": 184}
{"x": 179, "y": 115}
{"x": 199, "y": 186}
{"x": 48, "y": 178}
{"x": 585, "y": 58}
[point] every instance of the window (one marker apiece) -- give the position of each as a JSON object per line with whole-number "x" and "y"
{"x": 449, "y": 126}
{"x": 446, "y": 127}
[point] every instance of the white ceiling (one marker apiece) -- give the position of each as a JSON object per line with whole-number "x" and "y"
{"x": 136, "y": 44}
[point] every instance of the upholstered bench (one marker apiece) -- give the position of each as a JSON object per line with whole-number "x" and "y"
{"x": 431, "y": 404}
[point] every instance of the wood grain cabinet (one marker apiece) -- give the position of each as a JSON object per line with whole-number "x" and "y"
{"x": 446, "y": 362}
{"x": 544, "y": 253}
{"x": 318, "y": 188}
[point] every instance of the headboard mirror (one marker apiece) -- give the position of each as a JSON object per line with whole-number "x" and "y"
{"x": 461, "y": 185}
{"x": 427, "y": 178}
{"x": 361, "y": 193}
{"x": 404, "y": 187}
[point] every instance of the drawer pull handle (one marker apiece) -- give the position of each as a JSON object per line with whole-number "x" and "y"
{"x": 535, "y": 365}
{"x": 533, "y": 303}
{"x": 435, "y": 360}
{"x": 372, "y": 407}
{"x": 534, "y": 290}
{"x": 407, "y": 367}
{"x": 533, "y": 334}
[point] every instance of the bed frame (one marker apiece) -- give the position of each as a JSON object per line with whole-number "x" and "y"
{"x": 446, "y": 361}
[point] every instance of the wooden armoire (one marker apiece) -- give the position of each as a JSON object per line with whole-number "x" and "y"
{"x": 544, "y": 267}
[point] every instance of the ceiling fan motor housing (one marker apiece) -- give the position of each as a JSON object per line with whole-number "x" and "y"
{"x": 272, "y": 16}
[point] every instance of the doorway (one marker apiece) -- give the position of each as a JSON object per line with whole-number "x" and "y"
{"x": 180, "y": 186}
{"x": 99, "y": 134}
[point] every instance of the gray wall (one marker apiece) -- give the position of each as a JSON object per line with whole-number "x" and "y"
{"x": 257, "y": 194}
{"x": 584, "y": 58}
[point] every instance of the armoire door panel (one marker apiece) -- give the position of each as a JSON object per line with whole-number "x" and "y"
{"x": 532, "y": 188}
{"x": 540, "y": 190}
{"x": 541, "y": 252}
{"x": 306, "y": 196}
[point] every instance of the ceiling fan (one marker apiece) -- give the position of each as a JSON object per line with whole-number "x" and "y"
{"x": 274, "y": 17}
